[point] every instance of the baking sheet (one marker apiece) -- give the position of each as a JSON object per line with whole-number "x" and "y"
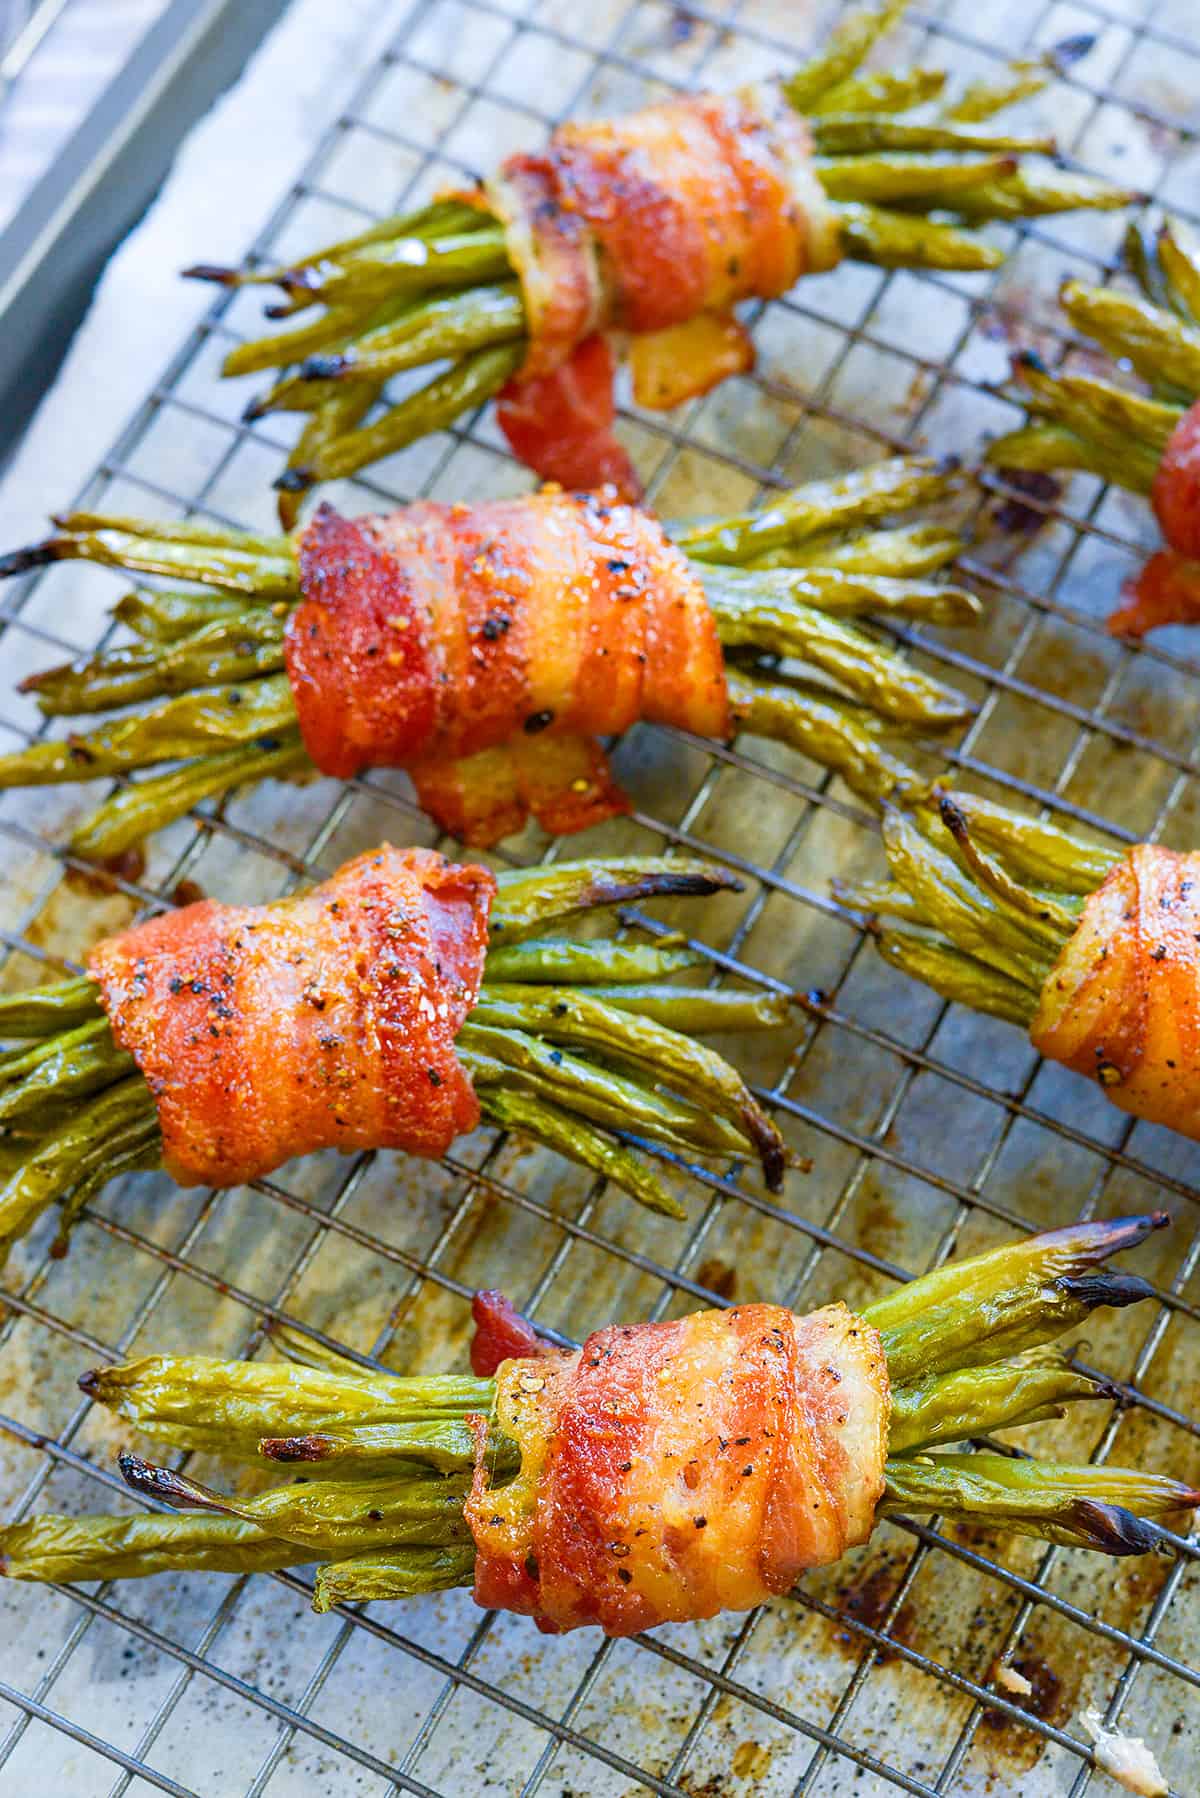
{"x": 927, "y": 1129}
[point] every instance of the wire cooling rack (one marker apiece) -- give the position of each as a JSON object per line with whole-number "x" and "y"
{"x": 929, "y": 1131}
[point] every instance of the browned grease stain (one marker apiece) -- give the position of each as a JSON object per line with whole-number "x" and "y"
{"x": 1021, "y": 1748}
{"x": 102, "y": 877}
{"x": 867, "y": 1601}
{"x": 718, "y": 1276}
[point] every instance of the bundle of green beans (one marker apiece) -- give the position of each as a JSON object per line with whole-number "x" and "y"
{"x": 1080, "y": 422}
{"x": 203, "y": 687}
{"x": 967, "y": 1351}
{"x": 436, "y": 286}
{"x": 980, "y": 899}
{"x": 583, "y": 1045}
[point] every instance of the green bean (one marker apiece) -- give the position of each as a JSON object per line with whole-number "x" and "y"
{"x": 327, "y": 1517}
{"x": 959, "y": 977}
{"x": 863, "y": 668}
{"x": 119, "y": 1120}
{"x": 228, "y": 1407}
{"x": 899, "y": 240}
{"x": 571, "y": 1136}
{"x": 843, "y": 51}
{"x": 908, "y": 553}
{"x": 186, "y": 724}
{"x": 45, "y": 1010}
{"x": 476, "y": 378}
{"x": 1027, "y": 194}
{"x": 192, "y": 532}
{"x": 559, "y": 961}
{"x": 332, "y": 331}
{"x": 602, "y": 1095}
{"x": 887, "y": 92}
{"x": 929, "y": 180}
{"x": 901, "y": 484}
{"x": 851, "y": 135}
{"x": 402, "y": 1573}
{"x": 950, "y": 1317}
{"x": 975, "y": 921}
{"x": 136, "y": 811}
{"x": 880, "y": 898}
{"x": 155, "y": 550}
{"x": 1159, "y": 346}
{"x": 408, "y": 266}
{"x": 438, "y": 217}
{"x": 974, "y": 1401}
{"x": 226, "y": 651}
{"x": 449, "y": 325}
{"x": 1050, "y": 922}
{"x": 984, "y": 99}
{"x": 1042, "y": 852}
{"x": 1115, "y": 419}
{"x": 1179, "y": 257}
{"x": 840, "y": 593}
{"x": 334, "y": 419}
{"x": 562, "y": 1015}
{"x": 701, "y": 1011}
{"x": 372, "y": 1448}
{"x": 837, "y": 736}
{"x": 156, "y": 616}
{"x": 1080, "y": 1507}
{"x": 103, "y": 1548}
{"x": 70, "y": 1064}
{"x": 1043, "y": 446}
{"x": 527, "y": 898}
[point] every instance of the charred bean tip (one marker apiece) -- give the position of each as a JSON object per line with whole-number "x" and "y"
{"x": 325, "y": 368}
{"x": 294, "y": 480}
{"x": 35, "y": 555}
{"x": 1071, "y": 50}
{"x": 295, "y": 1448}
{"x": 213, "y": 271}
{"x": 89, "y": 1382}
{"x": 257, "y": 408}
{"x": 1111, "y": 1528}
{"x": 1105, "y": 1288}
{"x": 157, "y": 1482}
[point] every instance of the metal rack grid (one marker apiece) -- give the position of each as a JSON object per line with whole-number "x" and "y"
{"x": 930, "y": 1131}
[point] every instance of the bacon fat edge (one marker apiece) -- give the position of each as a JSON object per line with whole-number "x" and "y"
{"x": 671, "y": 1471}
{"x": 1122, "y": 1004}
{"x": 322, "y": 1021}
{"x": 486, "y": 648}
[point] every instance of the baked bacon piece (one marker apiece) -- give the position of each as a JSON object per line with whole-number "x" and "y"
{"x": 1122, "y": 1003}
{"x": 486, "y": 648}
{"x": 670, "y": 1471}
{"x": 655, "y": 224}
{"x": 323, "y": 1021}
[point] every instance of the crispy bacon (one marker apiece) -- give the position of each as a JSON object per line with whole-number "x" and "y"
{"x": 502, "y": 1333}
{"x": 1122, "y": 1004}
{"x": 1167, "y": 591}
{"x": 671, "y": 1471}
{"x": 323, "y": 1021}
{"x": 486, "y": 648}
{"x": 560, "y": 423}
{"x": 655, "y": 224}
{"x": 1176, "y": 491}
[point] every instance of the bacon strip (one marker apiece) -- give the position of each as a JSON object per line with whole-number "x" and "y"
{"x": 1166, "y": 591}
{"x": 1176, "y": 491}
{"x": 1122, "y": 1004}
{"x": 644, "y": 222}
{"x": 324, "y": 1021}
{"x": 657, "y": 224}
{"x": 438, "y": 636}
{"x": 671, "y": 1471}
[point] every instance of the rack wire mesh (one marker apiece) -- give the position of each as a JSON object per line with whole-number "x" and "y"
{"x": 929, "y": 1131}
